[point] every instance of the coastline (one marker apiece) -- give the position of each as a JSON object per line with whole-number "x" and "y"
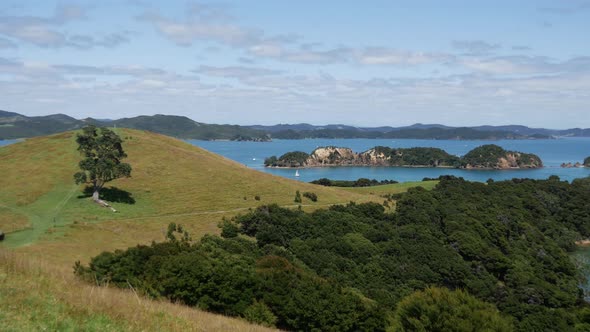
{"x": 410, "y": 166}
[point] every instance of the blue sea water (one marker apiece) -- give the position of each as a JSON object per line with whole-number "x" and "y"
{"x": 7, "y": 141}
{"x": 553, "y": 152}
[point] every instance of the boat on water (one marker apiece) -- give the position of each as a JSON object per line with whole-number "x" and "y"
{"x": 297, "y": 173}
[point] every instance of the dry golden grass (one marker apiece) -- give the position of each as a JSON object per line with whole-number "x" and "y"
{"x": 172, "y": 181}
{"x": 11, "y": 221}
{"x": 41, "y": 296}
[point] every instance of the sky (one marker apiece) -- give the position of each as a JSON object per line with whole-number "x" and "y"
{"x": 362, "y": 63}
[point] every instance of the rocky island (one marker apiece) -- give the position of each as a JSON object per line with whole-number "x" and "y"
{"x": 484, "y": 157}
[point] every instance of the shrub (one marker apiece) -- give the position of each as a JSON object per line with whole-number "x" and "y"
{"x": 260, "y": 313}
{"x": 228, "y": 229}
{"x": 440, "y": 309}
{"x": 312, "y": 196}
{"x": 257, "y": 197}
{"x": 297, "y": 197}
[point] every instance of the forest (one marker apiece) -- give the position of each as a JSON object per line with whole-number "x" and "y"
{"x": 466, "y": 255}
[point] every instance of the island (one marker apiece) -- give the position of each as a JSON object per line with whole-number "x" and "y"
{"x": 488, "y": 156}
{"x": 587, "y": 162}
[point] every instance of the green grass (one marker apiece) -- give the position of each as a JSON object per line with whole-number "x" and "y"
{"x": 170, "y": 179}
{"x": 47, "y": 220}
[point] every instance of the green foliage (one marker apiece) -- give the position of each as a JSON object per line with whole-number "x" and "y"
{"x": 312, "y": 196}
{"x": 487, "y": 156}
{"x": 228, "y": 229}
{"x": 260, "y": 313}
{"x": 236, "y": 277}
{"x": 297, "y": 197}
{"x": 102, "y": 157}
{"x": 350, "y": 266}
{"x": 440, "y": 309}
{"x": 414, "y": 133}
{"x": 361, "y": 182}
{"x": 418, "y": 156}
{"x": 289, "y": 159}
{"x": 174, "y": 228}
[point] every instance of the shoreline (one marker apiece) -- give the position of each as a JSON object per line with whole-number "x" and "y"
{"x": 409, "y": 166}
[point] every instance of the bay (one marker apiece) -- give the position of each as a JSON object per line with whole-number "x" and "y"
{"x": 4, "y": 142}
{"x": 553, "y": 152}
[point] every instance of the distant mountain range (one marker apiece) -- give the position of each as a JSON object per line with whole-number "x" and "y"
{"x": 14, "y": 125}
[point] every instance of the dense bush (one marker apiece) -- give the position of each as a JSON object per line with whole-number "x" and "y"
{"x": 289, "y": 159}
{"x": 418, "y": 156}
{"x": 312, "y": 196}
{"x": 361, "y": 182}
{"x": 439, "y": 309}
{"x": 349, "y": 267}
{"x": 487, "y": 156}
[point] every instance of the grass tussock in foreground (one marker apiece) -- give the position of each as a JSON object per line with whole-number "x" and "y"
{"x": 37, "y": 296}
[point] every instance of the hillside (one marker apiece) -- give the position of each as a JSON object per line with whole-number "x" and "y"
{"x": 492, "y": 156}
{"x": 14, "y": 125}
{"x": 172, "y": 181}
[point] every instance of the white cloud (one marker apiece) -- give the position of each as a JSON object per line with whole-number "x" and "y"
{"x": 239, "y": 72}
{"x": 48, "y": 32}
{"x": 384, "y": 56}
{"x": 475, "y": 47}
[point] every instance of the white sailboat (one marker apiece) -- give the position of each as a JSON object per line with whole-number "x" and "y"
{"x": 296, "y": 173}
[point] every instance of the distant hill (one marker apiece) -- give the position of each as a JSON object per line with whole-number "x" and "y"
{"x": 418, "y": 131}
{"x": 14, "y": 125}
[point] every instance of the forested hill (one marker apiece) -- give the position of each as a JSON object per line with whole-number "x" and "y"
{"x": 14, "y": 125}
{"x": 356, "y": 267}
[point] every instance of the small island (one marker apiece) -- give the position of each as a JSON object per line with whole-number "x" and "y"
{"x": 488, "y": 156}
{"x": 585, "y": 163}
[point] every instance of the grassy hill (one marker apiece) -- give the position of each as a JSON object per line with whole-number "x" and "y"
{"x": 50, "y": 224}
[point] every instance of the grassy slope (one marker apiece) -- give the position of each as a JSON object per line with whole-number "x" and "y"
{"x": 172, "y": 182}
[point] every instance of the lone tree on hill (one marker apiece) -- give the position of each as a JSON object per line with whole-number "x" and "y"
{"x": 102, "y": 159}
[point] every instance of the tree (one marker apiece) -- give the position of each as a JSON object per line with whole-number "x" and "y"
{"x": 440, "y": 309}
{"x": 102, "y": 159}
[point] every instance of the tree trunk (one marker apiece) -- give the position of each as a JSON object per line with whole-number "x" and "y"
{"x": 95, "y": 195}
{"x": 99, "y": 201}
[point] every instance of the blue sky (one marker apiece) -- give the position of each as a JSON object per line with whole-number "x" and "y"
{"x": 366, "y": 63}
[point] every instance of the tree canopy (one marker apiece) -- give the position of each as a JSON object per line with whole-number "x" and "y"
{"x": 102, "y": 152}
